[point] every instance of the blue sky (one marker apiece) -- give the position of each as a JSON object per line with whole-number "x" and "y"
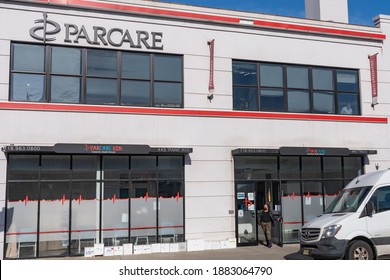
{"x": 360, "y": 11}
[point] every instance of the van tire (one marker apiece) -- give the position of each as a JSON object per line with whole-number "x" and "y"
{"x": 359, "y": 250}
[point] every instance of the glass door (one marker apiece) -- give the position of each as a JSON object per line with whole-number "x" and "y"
{"x": 269, "y": 192}
{"x": 246, "y": 224}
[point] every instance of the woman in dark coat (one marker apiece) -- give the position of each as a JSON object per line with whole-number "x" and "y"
{"x": 266, "y": 222}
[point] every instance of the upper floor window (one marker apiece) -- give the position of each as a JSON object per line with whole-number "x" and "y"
{"x": 93, "y": 76}
{"x": 293, "y": 88}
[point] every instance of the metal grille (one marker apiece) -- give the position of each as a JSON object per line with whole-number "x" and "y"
{"x": 310, "y": 234}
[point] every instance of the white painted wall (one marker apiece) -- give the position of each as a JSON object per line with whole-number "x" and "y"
{"x": 209, "y": 178}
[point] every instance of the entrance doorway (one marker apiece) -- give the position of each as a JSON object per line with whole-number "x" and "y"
{"x": 269, "y": 192}
{"x": 250, "y": 198}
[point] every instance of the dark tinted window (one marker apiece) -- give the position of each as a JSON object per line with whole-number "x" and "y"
{"x": 55, "y": 167}
{"x": 94, "y": 76}
{"x": 23, "y": 167}
{"x": 311, "y": 168}
{"x": 101, "y": 91}
{"x": 167, "y": 94}
{"x": 135, "y": 93}
{"x": 66, "y": 61}
{"x": 136, "y": 66}
{"x": 28, "y": 87}
{"x": 293, "y": 88}
{"x": 29, "y": 58}
{"x": 245, "y": 99}
{"x": 168, "y": 68}
{"x": 101, "y": 63}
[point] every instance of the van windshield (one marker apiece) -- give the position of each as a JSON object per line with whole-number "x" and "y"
{"x": 348, "y": 200}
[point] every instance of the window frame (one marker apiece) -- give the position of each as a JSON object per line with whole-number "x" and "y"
{"x": 83, "y": 76}
{"x": 338, "y": 95}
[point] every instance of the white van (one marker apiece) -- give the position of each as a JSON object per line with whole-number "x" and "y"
{"x": 356, "y": 225}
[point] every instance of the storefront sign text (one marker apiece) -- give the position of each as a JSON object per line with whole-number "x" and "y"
{"x": 103, "y": 148}
{"x": 315, "y": 152}
{"x": 45, "y": 30}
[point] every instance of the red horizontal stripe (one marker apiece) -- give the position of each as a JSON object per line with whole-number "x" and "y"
{"x": 316, "y": 29}
{"x": 236, "y": 20}
{"x": 185, "y": 112}
{"x": 93, "y": 230}
{"x": 144, "y": 10}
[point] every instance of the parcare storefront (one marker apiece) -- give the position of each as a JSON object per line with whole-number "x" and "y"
{"x": 143, "y": 123}
{"x": 75, "y": 195}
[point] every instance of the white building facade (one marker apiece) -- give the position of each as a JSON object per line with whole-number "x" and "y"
{"x": 144, "y": 122}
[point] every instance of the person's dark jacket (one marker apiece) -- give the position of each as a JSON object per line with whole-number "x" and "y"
{"x": 266, "y": 217}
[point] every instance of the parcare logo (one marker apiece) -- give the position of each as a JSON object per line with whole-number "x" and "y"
{"x": 41, "y": 31}
{"x": 96, "y": 35}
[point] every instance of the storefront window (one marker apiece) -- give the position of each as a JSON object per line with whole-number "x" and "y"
{"x": 55, "y": 167}
{"x": 59, "y": 204}
{"x": 170, "y": 197}
{"x": 115, "y": 168}
{"x": 143, "y": 223}
{"x": 255, "y": 168}
{"x": 115, "y": 217}
{"x": 352, "y": 167}
{"x": 23, "y": 167}
{"x": 308, "y": 183}
{"x": 22, "y": 220}
{"x": 85, "y": 216}
{"x": 54, "y": 219}
{"x": 289, "y": 168}
{"x": 115, "y": 203}
{"x": 332, "y": 167}
{"x": 331, "y": 190}
{"x": 170, "y": 167}
{"x": 312, "y": 200}
{"x": 143, "y": 167}
{"x": 311, "y": 168}
{"x": 291, "y": 210}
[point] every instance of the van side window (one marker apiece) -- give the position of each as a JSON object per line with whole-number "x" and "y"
{"x": 381, "y": 199}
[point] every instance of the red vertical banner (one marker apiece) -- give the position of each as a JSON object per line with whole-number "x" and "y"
{"x": 374, "y": 78}
{"x": 211, "y": 79}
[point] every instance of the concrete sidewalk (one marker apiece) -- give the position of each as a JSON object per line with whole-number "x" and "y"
{"x": 287, "y": 252}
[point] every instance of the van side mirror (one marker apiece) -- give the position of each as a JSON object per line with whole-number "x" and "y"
{"x": 369, "y": 208}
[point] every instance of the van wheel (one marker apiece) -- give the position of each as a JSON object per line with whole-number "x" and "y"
{"x": 359, "y": 250}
